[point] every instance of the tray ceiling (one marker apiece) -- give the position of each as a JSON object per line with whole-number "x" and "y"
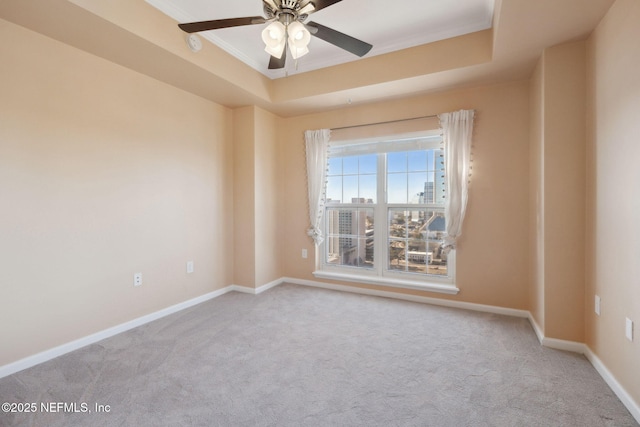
{"x": 388, "y": 26}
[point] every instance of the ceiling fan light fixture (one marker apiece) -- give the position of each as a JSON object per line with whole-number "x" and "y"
{"x": 276, "y": 51}
{"x": 297, "y": 52}
{"x": 274, "y": 38}
{"x": 299, "y": 38}
{"x": 274, "y": 33}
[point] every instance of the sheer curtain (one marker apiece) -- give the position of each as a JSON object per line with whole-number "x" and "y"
{"x": 317, "y": 149}
{"x": 457, "y": 133}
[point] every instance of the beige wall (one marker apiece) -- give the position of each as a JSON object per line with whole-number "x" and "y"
{"x": 493, "y": 252}
{"x": 243, "y": 212}
{"x": 557, "y": 169}
{"x": 613, "y": 231}
{"x": 268, "y": 184}
{"x": 256, "y": 181}
{"x": 564, "y": 194}
{"x": 536, "y": 195}
{"x": 103, "y": 173}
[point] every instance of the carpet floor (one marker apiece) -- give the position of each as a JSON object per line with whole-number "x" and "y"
{"x": 299, "y": 356}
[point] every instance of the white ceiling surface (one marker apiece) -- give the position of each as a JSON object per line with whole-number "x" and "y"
{"x": 387, "y": 25}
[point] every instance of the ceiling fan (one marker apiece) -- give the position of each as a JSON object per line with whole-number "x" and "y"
{"x": 287, "y": 29}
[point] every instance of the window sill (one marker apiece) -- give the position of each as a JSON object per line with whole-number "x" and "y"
{"x": 443, "y": 288}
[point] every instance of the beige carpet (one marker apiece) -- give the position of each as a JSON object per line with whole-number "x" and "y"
{"x": 297, "y": 356}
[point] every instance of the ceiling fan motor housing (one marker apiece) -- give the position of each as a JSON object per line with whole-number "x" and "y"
{"x": 287, "y": 11}
{"x": 289, "y": 4}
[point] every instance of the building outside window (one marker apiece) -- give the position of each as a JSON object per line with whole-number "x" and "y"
{"x": 384, "y": 213}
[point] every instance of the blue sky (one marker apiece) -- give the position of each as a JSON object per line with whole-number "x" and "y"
{"x": 355, "y": 176}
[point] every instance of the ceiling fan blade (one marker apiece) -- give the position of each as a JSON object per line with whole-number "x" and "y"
{"x": 194, "y": 27}
{"x": 278, "y": 63}
{"x": 321, "y": 4}
{"x": 348, "y": 43}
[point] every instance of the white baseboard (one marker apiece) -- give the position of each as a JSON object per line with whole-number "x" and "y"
{"x": 617, "y": 388}
{"x": 584, "y": 349}
{"x": 47, "y": 355}
{"x": 256, "y": 291}
{"x": 414, "y": 298}
{"x": 557, "y": 344}
{"x": 243, "y": 289}
{"x": 536, "y": 328}
{"x": 572, "y": 346}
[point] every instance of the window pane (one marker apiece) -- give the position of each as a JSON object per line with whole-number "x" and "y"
{"x": 368, "y": 189}
{"x": 398, "y": 224}
{"x": 418, "y": 187}
{"x": 418, "y": 160}
{"x": 345, "y": 221}
{"x": 396, "y": 255}
{"x": 369, "y": 164}
{"x": 335, "y": 166}
{"x": 430, "y": 160}
{"x": 349, "y": 239}
{"x": 430, "y": 192}
{"x": 361, "y": 260}
{"x": 350, "y": 165}
{"x": 415, "y": 239}
{"x": 439, "y": 193}
{"x": 352, "y": 179}
{"x": 438, "y": 159}
{"x": 435, "y": 232}
{"x": 368, "y": 251}
{"x": 397, "y": 162}
{"x": 397, "y": 188}
{"x": 334, "y": 189}
{"x": 350, "y": 189}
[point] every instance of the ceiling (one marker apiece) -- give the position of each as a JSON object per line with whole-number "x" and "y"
{"x": 388, "y": 26}
{"x": 136, "y": 35}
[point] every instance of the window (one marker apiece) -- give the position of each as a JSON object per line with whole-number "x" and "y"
{"x": 384, "y": 214}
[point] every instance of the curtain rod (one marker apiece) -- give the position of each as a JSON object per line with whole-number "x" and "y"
{"x": 387, "y": 122}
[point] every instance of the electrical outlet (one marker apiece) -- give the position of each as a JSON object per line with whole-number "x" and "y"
{"x": 137, "y": 279}
{"x": 628, "y": 330}
{"x": 304, "y": 253}
{"x": 597, "y": 305}
{"x": 189, "y": 267}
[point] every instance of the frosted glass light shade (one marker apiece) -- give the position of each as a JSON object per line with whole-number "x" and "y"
{"x": 297, "y": 52}
{"x": 274, "y": 38}
{"x": 299, "y": 39}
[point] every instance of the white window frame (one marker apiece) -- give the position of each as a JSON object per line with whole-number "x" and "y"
{"x": 380, "y": 275}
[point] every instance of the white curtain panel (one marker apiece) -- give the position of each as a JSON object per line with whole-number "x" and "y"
{"x": 317, "y": 149}
{"x": 457, "y": 130}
